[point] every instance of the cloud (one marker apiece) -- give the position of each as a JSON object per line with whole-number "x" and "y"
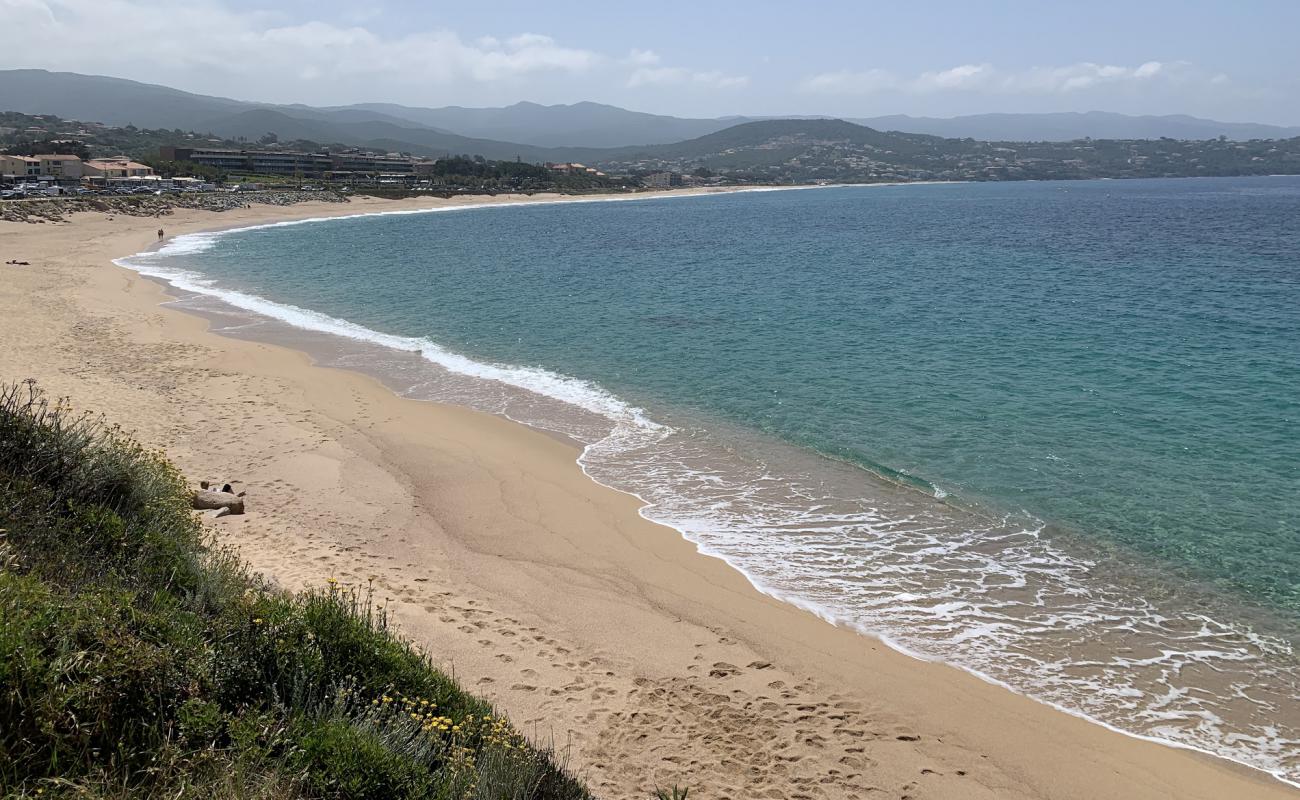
{"x": 987, "y": 78}
{"x": 1087, "y": 75}
{"x": 965, "y": 77}
{"x": 680, "y": 76}
{"x": 648, "y": 72}
{"x": 641, "y": 58}
{"x": 201, "y": 36}
{"x": 845, "y": 82}
{"x": 206, "y": 45}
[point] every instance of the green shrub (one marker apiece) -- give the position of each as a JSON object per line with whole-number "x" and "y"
{"x": 339, "y": 760}
{"x": 138, "y": 660}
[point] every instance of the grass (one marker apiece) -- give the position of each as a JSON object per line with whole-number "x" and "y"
{"x": 138, "y": 659}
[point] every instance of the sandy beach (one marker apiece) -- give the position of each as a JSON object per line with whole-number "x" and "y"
{"x": 651, "y": 664}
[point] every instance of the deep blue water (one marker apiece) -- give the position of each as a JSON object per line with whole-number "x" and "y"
{"x": 1111, "y": 364}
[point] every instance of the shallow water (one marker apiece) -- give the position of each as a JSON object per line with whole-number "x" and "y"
{"x": 1046, "y": 432}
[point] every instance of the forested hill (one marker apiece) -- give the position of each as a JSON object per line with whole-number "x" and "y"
{"x": 802, "y": 151}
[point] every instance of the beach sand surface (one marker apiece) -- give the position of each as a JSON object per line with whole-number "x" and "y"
{"x": 648, "y": 663}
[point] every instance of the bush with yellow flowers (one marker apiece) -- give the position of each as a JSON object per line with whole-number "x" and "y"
{"x": 137, "y": 659}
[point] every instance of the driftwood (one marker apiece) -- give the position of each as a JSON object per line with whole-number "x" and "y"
{"x": 210, "y": 499}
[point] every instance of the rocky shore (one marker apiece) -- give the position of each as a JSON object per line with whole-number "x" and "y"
{"x": 57, "y": 209}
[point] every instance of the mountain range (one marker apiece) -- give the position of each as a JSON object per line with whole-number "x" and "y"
{"x": 1072, "y": 125}
{"x": 524, "y": 130}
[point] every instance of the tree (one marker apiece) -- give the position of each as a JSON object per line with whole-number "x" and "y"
{"x": 30, "y": 147}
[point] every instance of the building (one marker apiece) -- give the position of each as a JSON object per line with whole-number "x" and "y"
{"x": 59, "y": 166}
{"x": 109, "y": 168}
{"x": 574, "y": 168}
{"x": 227, "y": 160}
{"x": 261, "y": 162}
{"x": 308, "y": 165}
{"x": 389, "y": 164}
{"x": 662, "y": 180}
{"x": 19, "y": 167}
{"x": 56, "y": 167}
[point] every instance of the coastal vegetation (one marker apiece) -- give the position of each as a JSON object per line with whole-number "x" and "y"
{"x": 139, "y": 659}
{"x": 476, "y": 172}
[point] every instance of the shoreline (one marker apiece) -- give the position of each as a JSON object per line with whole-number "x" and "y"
{"x": 681, "y": 586}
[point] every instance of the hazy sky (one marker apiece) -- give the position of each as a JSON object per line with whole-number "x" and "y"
{"x": 1233, "y": 60}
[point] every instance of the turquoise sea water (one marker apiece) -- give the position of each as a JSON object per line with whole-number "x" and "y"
{"x": 1049, "y": 432}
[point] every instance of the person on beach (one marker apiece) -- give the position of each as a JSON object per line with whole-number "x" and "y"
{"x": 160, "y": 234}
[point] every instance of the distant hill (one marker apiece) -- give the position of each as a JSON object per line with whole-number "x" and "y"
{"x": 597, "y": 125}
{"x": 772, "y": 145}
{"x": 112, "y": 101}
{"x": 838, "y": 151}
{"x": 1065, "y": 127}
{"x": 532, "y": 132}
{"x": 115, "y": 101}
{"x": 576, "y": 125}
{"x": 777, "y": 138}
{"x": 376, "y": 134}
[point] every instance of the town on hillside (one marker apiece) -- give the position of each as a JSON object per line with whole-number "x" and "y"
{"x": 43, "y": 155}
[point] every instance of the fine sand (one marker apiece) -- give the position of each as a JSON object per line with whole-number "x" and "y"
{"x": 543, "y": 591}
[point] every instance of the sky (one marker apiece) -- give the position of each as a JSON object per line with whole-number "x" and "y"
{"x": 1232, "y": 61}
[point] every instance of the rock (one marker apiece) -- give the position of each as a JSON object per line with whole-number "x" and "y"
{"x": 209, "y": 499}
{"x": 54, "y": 209}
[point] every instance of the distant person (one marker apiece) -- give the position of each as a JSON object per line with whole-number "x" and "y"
{"x": 160, "y": 234}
